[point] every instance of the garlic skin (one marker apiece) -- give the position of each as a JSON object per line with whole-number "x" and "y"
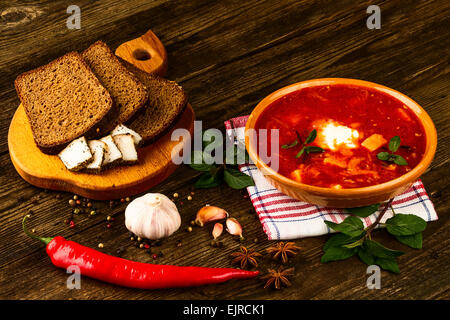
{"x": 152, "y": 216}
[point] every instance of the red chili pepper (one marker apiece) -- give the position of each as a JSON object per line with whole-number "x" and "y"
{"x": 100, "y": 266}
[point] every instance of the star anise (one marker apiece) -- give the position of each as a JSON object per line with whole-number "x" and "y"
{"x": 246, "y": 256}
{"x": 283, "y": 250}
{"x": 278, "y": 277}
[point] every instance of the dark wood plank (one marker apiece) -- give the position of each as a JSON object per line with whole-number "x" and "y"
{"x": 228, "y": 55}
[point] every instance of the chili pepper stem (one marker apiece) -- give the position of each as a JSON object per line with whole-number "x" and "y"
{"x": 45, "y": 240}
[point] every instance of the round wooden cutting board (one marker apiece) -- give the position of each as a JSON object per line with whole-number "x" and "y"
{"x": 155, "y": 165}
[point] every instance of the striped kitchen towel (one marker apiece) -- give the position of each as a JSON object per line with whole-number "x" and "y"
{"x": 283, "y": 217}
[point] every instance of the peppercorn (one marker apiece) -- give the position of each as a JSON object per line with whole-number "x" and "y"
{"x": 108, "y": 225}
{"x": 33, "y": 230}
{"x": 192, "y": 193}
{"x": 76, "y": 211}
{"x": 189, "y": 198}
{"x": 71, "y": 224}
{"x": 139, "y": 239}
{"x": 75, "y": 197}
{"x": 146, "y": 246}
{"x": 100, "y": 245}
{"x": 192, "y": 223}
{"x": 141, "y": 245}
{"x": 93, "y": 213}
{"x": 78, "y": 202}
{"x": 89, "y": 204}
{"x": 127, "y": 199}
{"x": 154, "y": 256}
{"x": 175, "y": 195}
{"x": 108, "y": 218}
{"x": 72, "y": 203}
{"x": 189, "y": 229}
{"x": 122, "y": 200}
{"x": 132, "y": 238}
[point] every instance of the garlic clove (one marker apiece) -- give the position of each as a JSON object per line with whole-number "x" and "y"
{"x": 208, "y": 214}
{"x": 217, "y": 230}
{"x": 234, "y": 227}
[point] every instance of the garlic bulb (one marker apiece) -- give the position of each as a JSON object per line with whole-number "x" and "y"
{"x": 152, "y": 216}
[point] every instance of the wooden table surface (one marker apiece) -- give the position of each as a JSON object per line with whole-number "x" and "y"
{"x": 228, "y": 55}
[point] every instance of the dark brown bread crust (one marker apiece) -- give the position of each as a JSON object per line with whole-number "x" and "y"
{"x": 129, "y": 94}
{"x": 166, "y": 102}
{"x": 53, "y": 140}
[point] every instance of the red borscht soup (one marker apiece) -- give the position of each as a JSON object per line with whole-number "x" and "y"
{"x": 351, "y": 128}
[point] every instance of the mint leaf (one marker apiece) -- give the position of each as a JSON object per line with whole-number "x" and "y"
{"x": 337, "y": 253}
{"x": 208, "y": 137}
{"x": 365, "y": 256}
{"x": 405, "y": 224}
{"x": 394, "y": 143}
{"x": 378, "y": 250}
{"x": 313, "y": 149}
{"x": 355, "y": 244}
{"x": 206, "y": 180}
{"x": 311, "y": 137}
{"x": 232, "y": 159}
{"x": 399, "y": 160}
{"x": 363, "y": 211}
{"x": 201, "y": 167}
{"x": 351, "y": 226}
{"x": 300, "y": 153}
{"x": 389, "y": 264}
{"x": 414, "y": 241}
{"x": 292, "y": 144}
{"x": 236, "y": 179}
{"x": 384, "y": 156}
{"x": 339, "y": 240}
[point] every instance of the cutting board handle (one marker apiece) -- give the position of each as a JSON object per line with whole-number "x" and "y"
{"x": 146, "y": 52}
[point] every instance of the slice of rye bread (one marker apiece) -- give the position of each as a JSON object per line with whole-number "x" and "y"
{"x": 63, "y": 100}
{"x": 128, "y": 93}
{"x": 166, "y": 101}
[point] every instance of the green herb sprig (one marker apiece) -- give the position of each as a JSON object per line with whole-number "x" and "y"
{"x": 305, "y": 148}
{"x": 215, "y": 174}
{"x": 353, "y": 239}
{"x": 394, "y": 144}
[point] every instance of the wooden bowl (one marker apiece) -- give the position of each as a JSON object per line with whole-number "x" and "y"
{"x": 352, "y": 197}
